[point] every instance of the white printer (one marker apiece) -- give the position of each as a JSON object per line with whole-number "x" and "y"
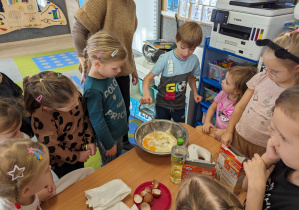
{"x": 239, "y": 23}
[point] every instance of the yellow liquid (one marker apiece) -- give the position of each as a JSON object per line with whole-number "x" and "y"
{"x": 176, "y": 173}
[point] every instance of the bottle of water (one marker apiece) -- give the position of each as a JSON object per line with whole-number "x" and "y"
{"x": 178, "y": 157}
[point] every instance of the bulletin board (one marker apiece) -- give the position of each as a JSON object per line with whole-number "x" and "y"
{"x": 19, "y": 14}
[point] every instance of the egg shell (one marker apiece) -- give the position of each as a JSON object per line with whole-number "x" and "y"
{"x": 148, "y": 198}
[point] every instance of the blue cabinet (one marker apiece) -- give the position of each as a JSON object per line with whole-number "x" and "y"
{"x": 211, "y": 54}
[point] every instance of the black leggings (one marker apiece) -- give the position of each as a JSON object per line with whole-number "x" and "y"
{"x": 124, "y": 85}
{"x": 67, "y": 168}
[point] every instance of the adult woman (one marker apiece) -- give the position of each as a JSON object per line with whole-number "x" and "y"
{"x": 118, "y": 17}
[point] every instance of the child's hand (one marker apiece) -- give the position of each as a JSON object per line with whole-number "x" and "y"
{"x": 257, "y": 173}
{"x": 227, "y": 138}
{"x": 43, "y": 195}
{"x": 197, "y": 98}
{"x": 92, "y": 148}
{"x": 51, "y": 189}
{"x": 134, "y": 77}
{"x": 219, "y": 133}
{"x": 271, "y": 153}
{"x": 111, "y": 151}
{"x": 146, "y": 100}
{"x": 84, "y": 155}
{"x": 206, "y": 127}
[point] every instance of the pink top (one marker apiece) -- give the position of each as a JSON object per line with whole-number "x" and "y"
{"x": 225, "y": 108}
{"x": 254, "y": 122}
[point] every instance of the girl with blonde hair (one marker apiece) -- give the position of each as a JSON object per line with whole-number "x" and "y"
{"x": 24, "y": 171}
{"x": 107, "y": 112}
{"x": 200, "y": 192}
{"x": 59, "y": 120}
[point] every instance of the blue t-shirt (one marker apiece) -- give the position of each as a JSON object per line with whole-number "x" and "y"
{"x": 174, "y": 79}
{"x": 106, "y": 109}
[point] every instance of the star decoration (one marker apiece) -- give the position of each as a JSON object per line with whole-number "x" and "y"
{"x": 18, "y": 171}
{"x": 114, "y": 97}
{"x": 30, "y": 150}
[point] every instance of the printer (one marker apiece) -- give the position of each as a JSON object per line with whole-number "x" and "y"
{"x": 237, "y": 24}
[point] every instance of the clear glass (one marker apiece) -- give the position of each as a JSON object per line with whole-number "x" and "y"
{"x": 178, "y": 157}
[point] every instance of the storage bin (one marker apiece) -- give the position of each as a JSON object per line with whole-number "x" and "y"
{"x": 204, "y": 114}
{"x": 217, "y": 72}
{"x": 210, "y": 95}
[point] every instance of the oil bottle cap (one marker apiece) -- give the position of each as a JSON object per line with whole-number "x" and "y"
{"x": 180, "y": 141}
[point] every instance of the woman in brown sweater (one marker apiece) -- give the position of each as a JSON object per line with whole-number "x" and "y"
{"x": 117, "y": 17}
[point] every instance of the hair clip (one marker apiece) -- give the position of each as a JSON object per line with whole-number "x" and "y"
{"x": 18, "y": 205}
{"x": 100, "y": 54}
{"x": 19, "y": 171}
{"x": 114, "y": 53}
{"x": 59, "y": 74}
{"x": 39, "y": 154}
{"x": 29, "y": 78}
{"x": 297, "y": 30}
{"x": 39, "y": 98}
{"x": 287, "y": 34}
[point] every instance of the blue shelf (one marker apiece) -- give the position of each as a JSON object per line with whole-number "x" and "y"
{"x": 213, "y": 82}
{"x": 205, "y": 104}
{"x": 229, "y": 53}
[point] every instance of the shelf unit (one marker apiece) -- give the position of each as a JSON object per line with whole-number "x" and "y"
{"x": 211, "y": 54}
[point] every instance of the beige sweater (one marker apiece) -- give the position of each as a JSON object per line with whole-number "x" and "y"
{"x": 115, "y": 16}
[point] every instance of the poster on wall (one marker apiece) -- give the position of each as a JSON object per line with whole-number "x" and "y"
{"x": 17, "y": 14}
{"x": 196, "y": 10}
{"x": 172, "y": 5}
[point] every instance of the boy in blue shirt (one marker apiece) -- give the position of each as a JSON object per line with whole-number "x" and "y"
{"x": 178, "y": 67}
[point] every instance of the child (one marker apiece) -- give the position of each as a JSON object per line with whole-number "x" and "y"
{"x": 10, "y": 123}
{"x": 104, "y": 101}
{"x": 252, "y": 114}
{"x": 178, "y": 67}
{"x": 24, "y": 171}
{"x": 202, "y": 192}
{"x": 9, "y": 89}
{"x": 59, "y": 120}
{"x": 233, "y": 88}
{"x": 281, "y": 189}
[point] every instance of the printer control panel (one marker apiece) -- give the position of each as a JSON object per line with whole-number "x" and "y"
{"x": 219, "y": 16}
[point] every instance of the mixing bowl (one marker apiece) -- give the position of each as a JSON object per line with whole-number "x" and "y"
{"x": 174, "y": 128}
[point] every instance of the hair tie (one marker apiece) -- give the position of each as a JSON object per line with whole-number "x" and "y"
{"x": 287, "y": 34}
{"x": 29, "y": 78}
{"x": 100, "y": 54}
{"x": 18, "y": 205}
{"x": 16, "y": 173}
{"x": 39, "y": 98}
{"x": 39, "y": 154}
{"x": 59, "y": 74}
{"x": 114, "y": 53}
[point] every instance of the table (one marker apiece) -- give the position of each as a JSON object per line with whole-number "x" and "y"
{"x": 134, "y": 168}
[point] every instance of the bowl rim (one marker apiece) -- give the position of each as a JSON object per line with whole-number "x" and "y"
{"x": 161, "y": 120}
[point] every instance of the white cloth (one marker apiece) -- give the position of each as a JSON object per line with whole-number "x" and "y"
{"x": 7, "y": 205}
{"x": 108, "y": 196}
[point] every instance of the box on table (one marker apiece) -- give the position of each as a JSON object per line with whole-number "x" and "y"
{"x": 191, "y": 167}
{"x": 229, "y": 168}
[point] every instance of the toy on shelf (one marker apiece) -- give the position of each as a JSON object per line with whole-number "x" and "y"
{"x": 19, "y": 14}
{"x": 210, "y": 94}
{"x": 218, "y": 69}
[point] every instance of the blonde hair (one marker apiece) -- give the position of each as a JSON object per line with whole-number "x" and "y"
{"x": 288, "y": 101}
{"x": 190, "y": 34}
{"x": 56, "y": 90}
{"x": 201, "y": 192}
{"x": 241, "y": 75}
{"x": 103, "y": 47}
{"x": 10, "y": 114}
{"x": 290, "y": 41}
{"x": 15, "y": 153}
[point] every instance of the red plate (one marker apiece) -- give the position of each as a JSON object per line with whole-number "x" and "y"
{"x": 161, "y": 203}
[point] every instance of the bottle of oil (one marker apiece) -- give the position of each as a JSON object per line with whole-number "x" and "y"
{"x": 178, "y": 157}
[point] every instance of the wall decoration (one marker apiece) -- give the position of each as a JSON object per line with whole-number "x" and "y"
{"x": 19, "y": 14}
{"x": 172, "y": 5}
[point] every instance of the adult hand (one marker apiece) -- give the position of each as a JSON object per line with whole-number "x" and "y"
{"x": 134, "y": 77}
{"x": 227, "y": 138}
{"x": 111, "y": 151}
{"x": 206, "y": 127}
{"x": 197, "y": 98}
{"x": 84, "y": 155}
{"x": 92, "y": 148}
{"x": 219, "y": 133}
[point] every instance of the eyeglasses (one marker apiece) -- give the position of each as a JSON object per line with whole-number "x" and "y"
{"x": 266, "y": 69}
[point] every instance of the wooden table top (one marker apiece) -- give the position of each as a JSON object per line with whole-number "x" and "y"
{"x": 134, "y": 168}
